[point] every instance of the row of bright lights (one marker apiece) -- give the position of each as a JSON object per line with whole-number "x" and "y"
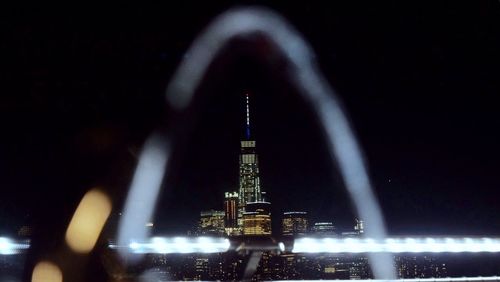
{"x": 179, "y": 245}
{"x": 397, "y": 245}
{"x": 12, "y": 247}
{"x": 184, "y": 245}
{"x": 303, "y": 245}
{"x": 450, "y": 279}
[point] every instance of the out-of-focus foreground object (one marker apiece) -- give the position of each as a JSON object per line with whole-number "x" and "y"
{"x": 88, "y": 221}
{"x": 46, "y": 271}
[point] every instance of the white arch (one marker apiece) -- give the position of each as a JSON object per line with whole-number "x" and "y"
{"x": 313, "y": 88}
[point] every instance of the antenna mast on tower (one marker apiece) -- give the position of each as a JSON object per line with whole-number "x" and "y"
{"x": 248, "y": 116}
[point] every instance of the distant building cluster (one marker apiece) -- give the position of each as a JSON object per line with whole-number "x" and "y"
{"x": 271, "y": 267}
{"x": 423, "y": 266}
{"x": 247, "y": 214}
{"x": 245, "y": 211}
{"x": 294, "y": 266}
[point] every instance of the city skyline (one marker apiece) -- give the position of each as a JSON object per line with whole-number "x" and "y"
{"x": 83, "y": 89}
{"x": 247, "y": 212}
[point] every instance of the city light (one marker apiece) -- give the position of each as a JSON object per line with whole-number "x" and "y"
{"x": 182, "y": 245}
{"x": 11, "y": 247}
{"x": 397, "y": 245}
{"x": 178, "y": 245}
{"x": 448, "y": 279}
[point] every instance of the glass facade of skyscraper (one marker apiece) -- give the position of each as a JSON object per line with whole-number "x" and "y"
{"x": 211, "y": 223}
{"x": 231, "y": 213}
{"x": 257, "y": 219}
{"x": 294, "y": 223}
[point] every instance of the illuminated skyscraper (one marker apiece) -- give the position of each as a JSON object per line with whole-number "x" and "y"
{"x": 211, "y": 223}
{"x": 294, "y": 223}
{"x": 231, "y": 213}
{"x": 323, "y": 228}
{"x": 257, "y": 219}
{"x": 249, "y": 169}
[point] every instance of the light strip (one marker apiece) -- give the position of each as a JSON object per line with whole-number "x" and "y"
{"x": 178, "y": 245}
{"x": 12, "y": 247}
{"x": 396, "y": 245}
{"x": 184, "y": 245}
{"x": 451, "y": 279}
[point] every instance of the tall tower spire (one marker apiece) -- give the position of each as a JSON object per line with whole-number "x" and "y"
{"x": 249, "y": 168}
{"x": 248, "y": 116}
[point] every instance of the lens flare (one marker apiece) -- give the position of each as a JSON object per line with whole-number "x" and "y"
{"x": 12, "y": 247}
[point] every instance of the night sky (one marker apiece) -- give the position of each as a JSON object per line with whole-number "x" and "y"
{"x": 82, "y": 88}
